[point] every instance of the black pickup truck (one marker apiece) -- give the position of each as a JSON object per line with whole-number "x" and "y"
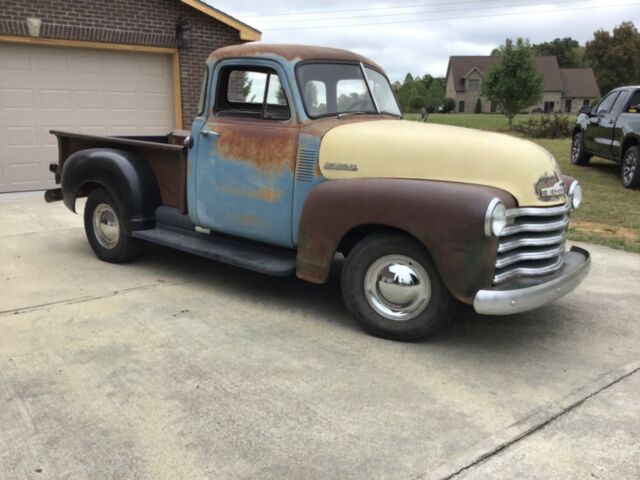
{"x": 611, "y": 130}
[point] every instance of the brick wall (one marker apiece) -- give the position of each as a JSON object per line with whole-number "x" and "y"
{"x": 141, "y": 22}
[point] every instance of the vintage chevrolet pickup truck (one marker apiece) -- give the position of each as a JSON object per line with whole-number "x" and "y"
{"x": 301, "y": 153}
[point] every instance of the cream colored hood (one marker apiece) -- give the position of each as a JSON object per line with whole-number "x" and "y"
{"x": 406, "y": 149}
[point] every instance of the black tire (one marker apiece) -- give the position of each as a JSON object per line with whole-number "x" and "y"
{"x": 115, "y": 247}
{"x": 579, "y": 155}
{"x": 630, "y": 168}
{"x": 375, "y": 250}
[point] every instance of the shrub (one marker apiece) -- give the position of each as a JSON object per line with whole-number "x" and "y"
{"x": 416, "y": 103}
{"x": 478, "y": 108}
{"x": 448, "y": 105}
{"x": 545, "y": 126}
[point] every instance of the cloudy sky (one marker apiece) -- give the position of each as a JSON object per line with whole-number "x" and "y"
{"x": 419, "y": 35}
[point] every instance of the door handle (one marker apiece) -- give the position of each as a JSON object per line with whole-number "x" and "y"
{"x": 205, "y": 133}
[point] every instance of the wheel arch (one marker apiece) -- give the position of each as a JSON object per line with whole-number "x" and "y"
{"x": 629, "y": 142}
{"x": 128, "y": 178}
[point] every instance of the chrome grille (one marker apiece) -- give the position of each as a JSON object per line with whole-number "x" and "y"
{"x": 532, "y": 243}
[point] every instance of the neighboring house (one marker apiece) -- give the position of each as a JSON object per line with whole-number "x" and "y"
{"x": 99, "y": 66}
{"x": 566, "y": 90}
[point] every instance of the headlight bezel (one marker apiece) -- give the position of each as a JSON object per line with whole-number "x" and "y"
{"x": 575, "y": 195}
{"x": 495, "y": 220}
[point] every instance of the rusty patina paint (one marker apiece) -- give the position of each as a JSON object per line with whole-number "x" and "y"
{"x": 269, "y": 150}
{"x": 451, "y": 227}
{"x": 290, "y": 53}
{"x": 265, "y": 194}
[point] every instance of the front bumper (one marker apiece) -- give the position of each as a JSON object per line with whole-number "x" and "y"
{"x": 531, "y": 293}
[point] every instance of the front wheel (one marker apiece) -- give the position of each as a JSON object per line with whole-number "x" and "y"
{"x": 393, "y": 289}
{"x": 630, "y": 168}
{"x": 579, "y": 155}
{"x": 103, "y": 226}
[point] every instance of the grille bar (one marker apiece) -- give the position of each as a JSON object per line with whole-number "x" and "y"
{"x": 530, "y": 241}
{"x": 533, "y": 242}
{"x": 521, "y": 256}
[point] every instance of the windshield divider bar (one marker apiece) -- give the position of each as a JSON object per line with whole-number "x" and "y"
{"x": 366, "y": 82}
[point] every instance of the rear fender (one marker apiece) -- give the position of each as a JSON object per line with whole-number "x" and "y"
{"x": 127, "y": 177}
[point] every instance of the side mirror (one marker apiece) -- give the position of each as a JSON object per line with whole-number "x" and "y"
{"x": 587, "y": 110}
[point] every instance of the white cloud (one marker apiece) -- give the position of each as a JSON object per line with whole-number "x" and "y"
{"x": 425, "y": 46}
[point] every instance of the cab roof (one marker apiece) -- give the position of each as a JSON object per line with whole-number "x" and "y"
{"x": 290, "y": 53}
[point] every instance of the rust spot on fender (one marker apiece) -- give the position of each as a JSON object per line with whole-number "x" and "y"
{"x": 269, "y": 195}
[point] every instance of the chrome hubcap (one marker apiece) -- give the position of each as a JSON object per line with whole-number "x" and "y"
{"x": 629, "y": 167}
{"x": 105, "y": 226}
{"x": 397, "y": 287}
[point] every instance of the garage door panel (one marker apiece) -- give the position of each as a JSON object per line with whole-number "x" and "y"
{"x": 17, "y": 99}
{"x": 87, "y": 91}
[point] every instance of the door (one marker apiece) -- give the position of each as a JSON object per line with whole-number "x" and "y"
{"x": 246, "y": 155}
{"x": 600, "y": 130}
{"x": 83, "y": 90}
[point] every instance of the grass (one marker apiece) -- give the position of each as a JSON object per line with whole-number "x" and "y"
{"x": 609, "y": 214}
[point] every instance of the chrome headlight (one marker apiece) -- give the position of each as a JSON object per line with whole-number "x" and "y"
{"x": 495, "y": 219}
{"x": 575, "y": 195}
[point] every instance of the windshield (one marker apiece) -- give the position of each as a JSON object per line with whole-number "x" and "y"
{"x": 330, "y": 89}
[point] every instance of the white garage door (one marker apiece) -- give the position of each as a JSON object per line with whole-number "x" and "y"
{"x": 81, "y": 90}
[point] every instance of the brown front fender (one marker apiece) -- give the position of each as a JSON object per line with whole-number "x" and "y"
{"x": 447, "y": 218}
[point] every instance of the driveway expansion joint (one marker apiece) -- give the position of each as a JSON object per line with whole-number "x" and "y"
{"x": 522, "y": 429}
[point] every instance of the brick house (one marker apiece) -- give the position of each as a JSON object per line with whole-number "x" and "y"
{"x": 566, "y": 90}
{"x": 99, "y": 66}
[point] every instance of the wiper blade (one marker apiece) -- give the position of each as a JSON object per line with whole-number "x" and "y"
{"x": 346, "y": 114}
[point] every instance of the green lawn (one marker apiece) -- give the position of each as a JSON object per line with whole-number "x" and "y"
{"x": 485, "y": 121}
{"x": 609, "y": 215}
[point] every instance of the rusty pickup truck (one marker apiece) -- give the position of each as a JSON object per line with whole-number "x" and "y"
{"x": 299, "y": 154}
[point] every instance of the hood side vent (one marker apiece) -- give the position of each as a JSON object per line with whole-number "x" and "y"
{"x": 306, "y": 164}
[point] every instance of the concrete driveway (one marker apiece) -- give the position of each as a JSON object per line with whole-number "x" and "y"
{"x": 174, "y": 367}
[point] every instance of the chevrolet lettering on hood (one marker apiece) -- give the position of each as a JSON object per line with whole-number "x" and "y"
{"x": 425, "y": 216}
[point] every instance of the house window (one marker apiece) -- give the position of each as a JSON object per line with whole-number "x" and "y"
{"x": 567, "y": 106}
{"x": 494, "y": 107}
{"x": 586, "y": 103}
{"x": 461, "y": 106}
{"x": 473, "y": 84}
{"x": 548, "y": 107}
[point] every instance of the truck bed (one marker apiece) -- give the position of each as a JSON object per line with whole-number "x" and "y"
{"x": 166, "y": 155}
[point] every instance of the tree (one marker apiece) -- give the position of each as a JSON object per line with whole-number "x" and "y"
{"x": 514, "y": 83}
{"x": 416, "y": 103}
{"x": 478, "y": 108}
{"x": 566, "y": 50}
{"x": 435, "y": 96}
{"x": 615, "y": 59}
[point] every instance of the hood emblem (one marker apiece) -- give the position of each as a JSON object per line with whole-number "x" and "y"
{"x": 549, "y": 188}
{"x": 349, "y": 167}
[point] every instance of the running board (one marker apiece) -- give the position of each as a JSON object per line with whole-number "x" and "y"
{"x": 235, "y": 251}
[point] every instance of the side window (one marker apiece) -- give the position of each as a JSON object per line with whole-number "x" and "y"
{"x": 606, "y": 104}
{"x": 620, "y": 102}
{"x": 634, "y": 104}
{"x": 251, "y": 93}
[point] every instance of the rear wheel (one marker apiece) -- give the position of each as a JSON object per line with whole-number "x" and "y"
{"x": 393, "y": 289}
{"x": 103, "y": 226}
{"x": 630, "y": 168}
{"x": 579, "y": 155}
